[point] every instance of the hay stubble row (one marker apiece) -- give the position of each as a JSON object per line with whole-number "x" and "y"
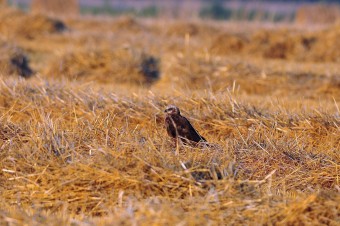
{"x": 86, "y": 144}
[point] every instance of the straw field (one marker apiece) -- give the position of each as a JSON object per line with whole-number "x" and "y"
{"x": 57, "y": 7}
{"x": 83, "y": 142}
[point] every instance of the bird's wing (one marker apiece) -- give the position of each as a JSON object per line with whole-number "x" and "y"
{"x": 192, "y": 132}
{"x": 170, "y": 127}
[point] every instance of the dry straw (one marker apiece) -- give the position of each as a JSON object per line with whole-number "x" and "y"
{"x": 56, "y": 7}
{"x": 83, "y": 141}
{"x": 16, "y": 24}
{"x": 69, "y": 150}
{"x": 318, "y": 14}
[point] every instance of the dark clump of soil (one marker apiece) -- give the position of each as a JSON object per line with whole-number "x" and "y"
{"x": 14, "y": 61}
{"x": 21, "y": 66}
{"x": 150, "y": 68}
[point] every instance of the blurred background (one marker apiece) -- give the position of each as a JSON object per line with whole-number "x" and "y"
{"x": 268, "y": 10}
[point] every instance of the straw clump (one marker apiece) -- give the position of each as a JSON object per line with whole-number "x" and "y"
{"x": 127, "y": 23}
{"x": 118, "y": 66}
{"x": 216, "y": 74}
{"x": 56, "y": 7}
{"x": 15, "y": 23}
{"x": 192, "y": 29}
{"x": 318, "y": 14}
{"x": 281, "y": 44}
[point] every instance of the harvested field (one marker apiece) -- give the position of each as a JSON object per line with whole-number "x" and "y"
{"x": 82, "y": 140}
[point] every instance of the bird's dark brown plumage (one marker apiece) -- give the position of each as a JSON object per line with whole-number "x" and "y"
{"x": 178, "y": 126}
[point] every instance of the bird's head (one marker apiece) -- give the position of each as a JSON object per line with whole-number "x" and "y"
{"x": 172, "y": 110}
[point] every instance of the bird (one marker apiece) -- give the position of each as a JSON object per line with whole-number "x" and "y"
{"x": 177, "y": 126}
